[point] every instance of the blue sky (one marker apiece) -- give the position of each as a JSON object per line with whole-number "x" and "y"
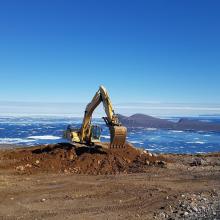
{"x": 142, "y": 51}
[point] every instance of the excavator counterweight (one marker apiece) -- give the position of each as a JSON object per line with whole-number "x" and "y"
{"x": 90, "y": 134}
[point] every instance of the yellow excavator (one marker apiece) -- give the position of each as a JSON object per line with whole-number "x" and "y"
{"x": 90, "y": 134}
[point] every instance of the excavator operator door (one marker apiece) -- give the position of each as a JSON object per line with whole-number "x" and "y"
{"x": 95, "y": 133}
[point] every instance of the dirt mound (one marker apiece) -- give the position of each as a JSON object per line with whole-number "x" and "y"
{"x": 82, "y": 160}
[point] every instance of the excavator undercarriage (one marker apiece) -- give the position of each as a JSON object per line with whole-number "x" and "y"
{"x": 89, "y": 134}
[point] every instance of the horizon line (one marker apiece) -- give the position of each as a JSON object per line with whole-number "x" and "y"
{"x": 116, "y": 103}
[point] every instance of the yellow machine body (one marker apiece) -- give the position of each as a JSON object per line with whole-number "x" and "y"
{"x": 90, "y": 134}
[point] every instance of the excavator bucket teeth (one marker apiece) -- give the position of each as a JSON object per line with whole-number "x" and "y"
{"x": 118, "y": 136}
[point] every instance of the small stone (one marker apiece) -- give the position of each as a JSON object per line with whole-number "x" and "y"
{"x": 182, "y": 205}
{"x": 171, "y": 209}
{"x": 12, "y": 198}
{"x": 28, "y": 165}
{"x": 37, "y": 161}
{"x": 196, "y": 162}
{"x": 128, "y": 161}
{"x": 144, "y": 152}
{"x": 203, "y": 208}
{"x": 189, "y": 209}
{"x": 147, "y": 162}
{"x": 72, "y": 155}
{"x": 162, "y": 215}
{"x": 43, "y": 200}
{"x": 20, "y": 168}
{"x": 186, "y": 213}
{"x": 194, "y": 209}
{"x": 162, "y": 163}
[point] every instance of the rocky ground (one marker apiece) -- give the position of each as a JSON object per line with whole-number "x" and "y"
{"x": 66, "y": 182}
{"x": 202, "y": 205}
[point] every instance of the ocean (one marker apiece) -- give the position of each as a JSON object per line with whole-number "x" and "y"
{"x": 28, "y": 131}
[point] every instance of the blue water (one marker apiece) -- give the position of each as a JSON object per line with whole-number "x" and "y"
{"x": 45, "y": 130}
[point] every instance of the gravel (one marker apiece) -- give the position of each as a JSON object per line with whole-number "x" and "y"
{"x": 193, "y": 206}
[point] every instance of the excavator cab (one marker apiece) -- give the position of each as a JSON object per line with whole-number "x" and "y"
{"x": 95, "y": 133}
{"x": 71, "y": 134}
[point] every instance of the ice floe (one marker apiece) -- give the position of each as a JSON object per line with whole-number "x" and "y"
{"x": 105, "y": 136}
{"x": 195, "y": 142}
{"x": 14, "y": 140}
{"x": 44, "y": 137}
{"x": 150, "y": 129}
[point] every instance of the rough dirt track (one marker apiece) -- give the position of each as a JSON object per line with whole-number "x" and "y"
{"x": 184, "y": 187}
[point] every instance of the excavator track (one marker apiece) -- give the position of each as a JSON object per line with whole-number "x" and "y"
{"x": 118, "y": 136}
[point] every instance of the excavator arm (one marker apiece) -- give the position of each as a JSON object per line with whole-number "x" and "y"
{"x": 117, "y": 131}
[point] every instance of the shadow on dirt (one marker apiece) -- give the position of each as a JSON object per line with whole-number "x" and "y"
{"x": 66, "y": 146}
{"x": 90, "y": 150}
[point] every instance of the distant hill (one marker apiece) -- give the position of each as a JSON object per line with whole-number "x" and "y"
{"x": 146, "y": 121}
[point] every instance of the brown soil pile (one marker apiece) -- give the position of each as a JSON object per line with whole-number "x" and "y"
{"x": 82, "y": 160}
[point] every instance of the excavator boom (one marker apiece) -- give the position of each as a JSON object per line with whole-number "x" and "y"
{"x": 86, "y": 135}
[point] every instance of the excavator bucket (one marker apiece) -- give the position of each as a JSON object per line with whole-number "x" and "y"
{"x": 118, "y": 136}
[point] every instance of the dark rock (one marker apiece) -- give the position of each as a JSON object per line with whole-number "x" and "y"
{"x": 161, "y": 163}
{"x": 196, "y": 162}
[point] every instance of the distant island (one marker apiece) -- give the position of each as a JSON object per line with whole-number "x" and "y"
{"x": 184, "y": 124}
